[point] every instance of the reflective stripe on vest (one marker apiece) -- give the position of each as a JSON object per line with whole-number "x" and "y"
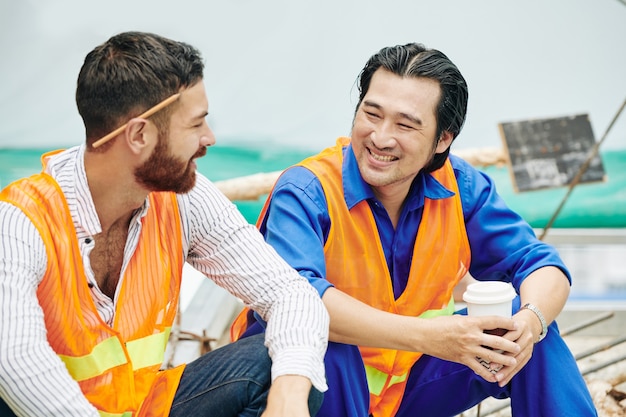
{"x": 105, "y": 414}
{"x": 377, "y": 380}
{"x": 149, "y": 350}
{"x": 143, "y": 352}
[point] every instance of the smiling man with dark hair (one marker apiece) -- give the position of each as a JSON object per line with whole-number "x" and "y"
{"x": 385, "y": 225}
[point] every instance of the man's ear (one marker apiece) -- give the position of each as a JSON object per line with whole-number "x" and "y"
{"x": 444, "y": 141}
{"x": 137, "y": 134}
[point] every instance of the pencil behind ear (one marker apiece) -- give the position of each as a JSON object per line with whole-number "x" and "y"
{"x": 145, "y": 114}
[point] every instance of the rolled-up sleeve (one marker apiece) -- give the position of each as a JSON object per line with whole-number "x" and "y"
{"x": 233, "y": 253}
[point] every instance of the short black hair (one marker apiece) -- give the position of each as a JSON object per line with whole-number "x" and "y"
{"x": 130, "y": 73}
{"x": 415, "y": 60}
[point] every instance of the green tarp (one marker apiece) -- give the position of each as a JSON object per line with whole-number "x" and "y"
{"x": 591, "y": 205}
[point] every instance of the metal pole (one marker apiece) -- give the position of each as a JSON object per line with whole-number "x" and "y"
{"x": 589, "y": 322}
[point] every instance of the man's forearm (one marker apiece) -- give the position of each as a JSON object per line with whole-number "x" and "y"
{"x": 548, "y": 289}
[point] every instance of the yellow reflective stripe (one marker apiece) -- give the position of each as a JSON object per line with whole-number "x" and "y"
{"x": 106, "y": 355}
{"x": 376, "y": 379}
{"x": 447, "y": 311}
{"x": 396, "y": 379}
{"x": 105, "y": 414}
{"x": 109, "y": 353}
{"x": 149, "y": 350}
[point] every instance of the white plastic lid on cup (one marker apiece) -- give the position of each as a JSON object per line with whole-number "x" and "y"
{"x": 489, "y": 298}
{"x": 489, "y": 292}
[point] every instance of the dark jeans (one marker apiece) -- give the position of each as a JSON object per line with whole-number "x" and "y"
{"x": 230, "y": 381}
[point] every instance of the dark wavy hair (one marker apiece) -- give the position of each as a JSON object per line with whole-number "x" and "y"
{"x": 130, "y": 73}
{"x": 415, "y": 60}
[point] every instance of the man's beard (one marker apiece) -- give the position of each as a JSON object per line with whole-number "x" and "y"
{"x": 164, "y": 172}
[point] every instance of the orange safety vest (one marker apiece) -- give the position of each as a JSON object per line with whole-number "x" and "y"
{"x": 356, "y": 265}
{"x": 117, "y": 368}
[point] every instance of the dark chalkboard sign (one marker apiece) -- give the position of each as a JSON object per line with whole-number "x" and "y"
{"x": 547, "y": 153}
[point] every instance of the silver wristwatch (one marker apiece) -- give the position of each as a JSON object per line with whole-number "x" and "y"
{"x": 544, "y": 326}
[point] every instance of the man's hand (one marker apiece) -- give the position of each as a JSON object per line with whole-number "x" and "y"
{"x": 288, "y": 397}
{"x": 528, "y": 329}
{"x": 464, "y": 340}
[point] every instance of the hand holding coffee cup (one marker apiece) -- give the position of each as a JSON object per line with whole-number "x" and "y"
{"x": 489, "y": 298}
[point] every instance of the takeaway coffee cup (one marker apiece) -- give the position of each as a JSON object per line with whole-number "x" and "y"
{"x": 489, "y": 298}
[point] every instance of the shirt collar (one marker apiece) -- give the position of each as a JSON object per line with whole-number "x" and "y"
{"x": 355, "y": 189}
{"x": 68, "y": 169}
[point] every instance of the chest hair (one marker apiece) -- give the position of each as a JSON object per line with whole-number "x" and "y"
{"x": 107, "y": 257}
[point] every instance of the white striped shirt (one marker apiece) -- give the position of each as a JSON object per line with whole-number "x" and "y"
{"x": 217, "y": 240}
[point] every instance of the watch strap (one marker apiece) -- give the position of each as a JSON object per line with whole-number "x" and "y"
{"x": 544, "y": 325}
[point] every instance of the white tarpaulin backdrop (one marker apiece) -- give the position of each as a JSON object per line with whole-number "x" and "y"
{"x": 284, "y": 71}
